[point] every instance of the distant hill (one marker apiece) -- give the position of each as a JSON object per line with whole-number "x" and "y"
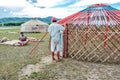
{"x": 24, "y": 19}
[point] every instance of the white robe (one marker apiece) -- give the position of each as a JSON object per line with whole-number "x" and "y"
{"x": 56, "y": 32}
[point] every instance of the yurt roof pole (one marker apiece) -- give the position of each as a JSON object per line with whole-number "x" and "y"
{"x": 91, "y": 18}
{"x": 106, "y": 20}
{"x": 99, "y": 12}
{"x": 115, "y": 18}
{"x": 116, "y": 22}
{"x": 95, "y": 18}
{"x": 85, "y": 16}
{"x": 81, "y": 17}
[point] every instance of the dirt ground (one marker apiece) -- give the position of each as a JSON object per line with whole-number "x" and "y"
{"x": 69, "y": 69}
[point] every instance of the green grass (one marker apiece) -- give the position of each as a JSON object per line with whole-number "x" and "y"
{"x": 13, "y": 58}
{"x": 6, "y": 33}
{"x": 69, "y": 69}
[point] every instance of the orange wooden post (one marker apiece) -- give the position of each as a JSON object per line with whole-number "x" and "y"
{"x": 106, "y": 33}
{"x": 86, "y": 35}
{"x": 31, "y": 51}
{"x": 65, "y": 41}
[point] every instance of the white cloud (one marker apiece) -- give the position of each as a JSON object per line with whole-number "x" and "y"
{"x": 47, "y": 3}
{"x": 37, "y": 12}
{"x": 13, "y": 3}
{"x": 24, "y": 3}
{"x": 31, "y": 11}
{"x": 28, "y": 9}
{"x": 89, "y": 2}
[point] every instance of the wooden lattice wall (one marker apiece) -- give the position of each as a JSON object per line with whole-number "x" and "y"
{"x": 94, "y": 44}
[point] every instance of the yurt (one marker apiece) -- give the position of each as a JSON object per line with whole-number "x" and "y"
{"x": 34, "y": 25}
{"x": 94, "y": 35}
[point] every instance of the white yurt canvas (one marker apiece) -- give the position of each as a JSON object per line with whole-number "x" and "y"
{"x": 34, "y": 25}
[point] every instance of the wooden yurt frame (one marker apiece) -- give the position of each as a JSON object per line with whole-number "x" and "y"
{"x": 93, "y": 43}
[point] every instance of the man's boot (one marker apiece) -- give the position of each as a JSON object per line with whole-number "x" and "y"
{"x": 53, "y": 56}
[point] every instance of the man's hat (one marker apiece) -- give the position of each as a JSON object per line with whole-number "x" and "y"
{"x": 54, "y": 19}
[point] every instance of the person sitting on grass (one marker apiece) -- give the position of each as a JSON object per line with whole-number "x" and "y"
{"x": 22, "y": 39}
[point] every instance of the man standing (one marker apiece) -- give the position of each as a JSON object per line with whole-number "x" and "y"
{"x": 55, "y": 30}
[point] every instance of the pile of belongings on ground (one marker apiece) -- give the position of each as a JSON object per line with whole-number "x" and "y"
{"x": 5, "y": 40}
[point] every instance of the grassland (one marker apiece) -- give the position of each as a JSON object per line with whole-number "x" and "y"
{"x": 14, "y": 58}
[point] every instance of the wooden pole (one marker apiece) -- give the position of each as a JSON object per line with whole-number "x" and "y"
{"x": 31, "y": 51}
{"x": 65, "y": 48}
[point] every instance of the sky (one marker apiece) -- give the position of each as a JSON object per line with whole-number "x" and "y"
{"x": 45, "y": 8}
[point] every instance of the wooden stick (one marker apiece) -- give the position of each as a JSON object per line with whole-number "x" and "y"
{"x": 31, "y": 51}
